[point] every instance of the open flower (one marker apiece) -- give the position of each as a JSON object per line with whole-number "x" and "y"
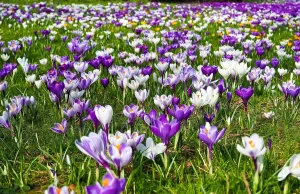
{"x": 120, "y": 154}
{"x": 60, "y": 128}
{"x": 293, "y": 169}
{"x": 94, "y": 146}
{"x": 210, "y": 135}
{"x": 253, "y": 147}
{"x": 150, "y": 150}
{"x": 110, "y": 185}
{"x": 57, "y": 190}
{"x": 164, "y": 129}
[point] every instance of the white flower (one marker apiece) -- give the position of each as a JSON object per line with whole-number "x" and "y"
{"x": 5, "y": 57}
{"x": 151, "y": 150}
{"x": 133, "y": 85}
{"x": 104, "y": 115}
{"x": 269, "y": 115}
{"x": 162, "y": 66}
{"x": 282, "y": 72}
{"x": 142, "y": 95}
{"x": 141, "y": 79}
{"x": 31, "y": 78}
{"x": 198, "y": 99}
{"x": 24, "y": 64}
{"x": 38, "y": 83}
{"x": 241, "y": 69}
{"x": 162, "y": 101}
{"x": 212, "y": 95}
{"x": 293, "y": 169}
{"x": 43, "y": 61}
{"x": 253, "y": 146}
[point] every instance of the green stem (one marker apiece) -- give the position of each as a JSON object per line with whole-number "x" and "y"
{"x": 286, "y": 187}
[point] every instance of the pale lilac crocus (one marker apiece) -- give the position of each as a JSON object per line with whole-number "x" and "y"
{"x": 60, "y": 128}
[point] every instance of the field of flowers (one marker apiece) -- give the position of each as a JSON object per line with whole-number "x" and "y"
{"x": 149, "y": 98}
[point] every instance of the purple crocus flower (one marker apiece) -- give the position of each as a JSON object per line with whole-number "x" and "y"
{"x": 147, "y": 70}
{"x": 4, "y": 120}
{"x": 293, "y": 91}
{"x": 121, "y": 155}
{"x": 94, "y": 146}
{"x": 3, "y": 86}
{"x": 221, "y": 86}
{"x": 209, "y": 117}
{"x": 131, "y": 112}
{"x": 56, "y": 88}
{"x": 207, "y": 70}
{"x": 175, "y": 100}
{"x": 275, "y": 62}
{"x": 70, "y": 113}
{"x": 164, "y": 129}
{"x": 92, "y": 117}
{"x": 244, "y": 94}
{"x": 182, "y": 112}
{"x": 210, "y": 135}
{"x": 229, "y": 96}
{"x": 104, "y": 82}
{"x": 110, "y": 185}
{"x": 60, "y": 128}
{"x": 149, "y": 118}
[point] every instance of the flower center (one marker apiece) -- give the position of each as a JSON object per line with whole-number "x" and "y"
{"x": 105, "y": 182}
{"x": 60, "y": 127}
{"x": 251, "y": 144}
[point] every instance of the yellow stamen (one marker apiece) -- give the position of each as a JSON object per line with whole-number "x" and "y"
{"x": 105, "y": 183}
{"x": 251, "y": 144}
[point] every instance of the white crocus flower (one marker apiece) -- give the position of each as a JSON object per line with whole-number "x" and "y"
{"x": 269, "y": 115}
{"x": 43, "y": 61}
{"x": 253, "y": 146}
{"x": 133, "y": 85}
{"x": 241, "y": 69}
{"x": 282, "y": 72}
{"x": 142, "y": 95}
{"x": 198, "y": 99}
{"x": 38, "y": 83}
{"x": 150, "y": 150}
{"x": 293, "y": 168}
{"x": 5, "y": 57}
{"x": 104, "y": 115}
{"x": 31, "y": 78}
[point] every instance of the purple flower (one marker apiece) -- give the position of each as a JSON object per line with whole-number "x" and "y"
{"x": 131, "y": 112}
{"x": 182, "y": 112}
{"x": 94, "y": 146}
{"x": 275, "y": 62}
{"x": 229, "y": 96}
{"x": 104, "y": 82}
{"x": 293, "y": 91}
{"x": 149, "y": 118}
{"x": 110, "y": 185}
{"x": 164, "y": 129}
{"x": 209, "y": 117}
{"x": 3, "y": 86}
{"x": 4, "y": 120}
{"x": 60, "y": 128}
{"x": 210, "y": 135}
{"x": 175, "y": 100}
{"x": 92, "y": 117}
{"x": 207, "y": 70}
{"x": 120, "y": 154}
{"x": 244, "y": 94}
{"x": 69, "y": 112}
{"x": 56, "y": 88}
{"x": 147, "y": 70}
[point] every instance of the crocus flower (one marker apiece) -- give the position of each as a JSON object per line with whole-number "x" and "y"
{"x": 57, "y": 190}
{"x": 131, "y": 112}
{"x": 210, "y": 135}
{"x": 134, "y": 139}
{"x": 181, "y": 112}
{"x": 292, "y": 169}
{"x": 150, "y": 150}
{"x": 92, "y": 117}
{"x": 244, "y": 94}
{"x": 110, "y": 185}
{"x": 94, "y": 146}
{"x": 208, "y": 117}
{"x": 4, "y": 120}
{"x": 60, "y": 128}
{"x": 293, "y": 91}
{"x": 142, "y": 95}
{"x": 104, "y": 82}
{"x": 104, "y": 115}
{"x": 253, "y": 147}
{"x": 164, "y": 129}
{"x": 120, "y": 154}
{"x": 3, "y": 86}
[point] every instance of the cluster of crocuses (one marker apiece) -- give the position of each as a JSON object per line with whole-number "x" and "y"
{"x": 13, "y": 108}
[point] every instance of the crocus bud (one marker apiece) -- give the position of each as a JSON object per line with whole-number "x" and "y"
{"x": 175, "y": 100}
{"x": 229, "y": 96}
{"x": 190, "y": 91}
{"x": 269, "y": 143}
{"x": 104, "y": 82}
